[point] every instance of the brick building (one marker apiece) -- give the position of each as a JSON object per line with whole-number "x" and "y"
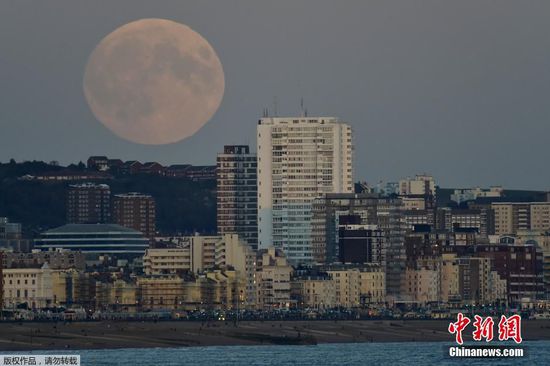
{"x": 88, "y": 203}
{"x": 136, "y": 211}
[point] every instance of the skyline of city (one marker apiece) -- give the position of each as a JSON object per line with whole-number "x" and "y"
{"x": 222, "y": 182}
{"x": 398, "y": 236}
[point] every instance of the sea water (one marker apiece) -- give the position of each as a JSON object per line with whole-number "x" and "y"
{"x": 398, "y": 353}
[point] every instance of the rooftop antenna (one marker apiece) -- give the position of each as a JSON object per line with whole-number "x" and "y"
{"x": 302, "y": 106}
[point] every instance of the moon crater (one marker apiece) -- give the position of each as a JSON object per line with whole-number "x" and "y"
{"x": 154, "y": 81}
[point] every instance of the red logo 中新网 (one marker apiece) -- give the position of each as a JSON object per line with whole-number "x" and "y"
{"x": 508, "y": 328}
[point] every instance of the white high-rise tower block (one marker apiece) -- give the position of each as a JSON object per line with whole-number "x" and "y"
{"x": 299, "y": 159}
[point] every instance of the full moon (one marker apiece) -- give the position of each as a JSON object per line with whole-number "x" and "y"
{"x": 154, "y": 81}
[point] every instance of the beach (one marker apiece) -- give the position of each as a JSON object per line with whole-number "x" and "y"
{"x": 135, "y": 334}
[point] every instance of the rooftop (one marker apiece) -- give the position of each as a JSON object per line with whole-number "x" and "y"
{"x": 90, "y": 228}
{"x": 89, "y": 185}
{"x": 133, "y": 195}
{"x": 297, "y": 120}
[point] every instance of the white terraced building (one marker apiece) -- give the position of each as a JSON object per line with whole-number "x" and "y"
{"x": 299, "y": 159}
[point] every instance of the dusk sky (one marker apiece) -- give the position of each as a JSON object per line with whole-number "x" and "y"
{"x": 460, "y": 89}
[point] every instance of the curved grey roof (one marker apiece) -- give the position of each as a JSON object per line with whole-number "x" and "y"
{"x": 91, "y": 228}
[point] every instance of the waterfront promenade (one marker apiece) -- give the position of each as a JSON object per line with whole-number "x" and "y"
{"x": 135, "y": 334}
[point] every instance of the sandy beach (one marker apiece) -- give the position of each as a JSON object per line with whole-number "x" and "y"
{"x": 122, "y": 334}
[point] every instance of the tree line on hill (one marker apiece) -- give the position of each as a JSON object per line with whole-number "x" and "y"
{"x": 182, "y": 205}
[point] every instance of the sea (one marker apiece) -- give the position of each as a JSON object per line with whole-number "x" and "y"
{"x": 402, "y": 353}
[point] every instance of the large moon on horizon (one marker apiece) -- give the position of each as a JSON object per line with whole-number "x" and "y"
{"x": 154, "y": 81}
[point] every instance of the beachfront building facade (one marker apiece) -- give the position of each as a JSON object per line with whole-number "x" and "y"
{"x": 314, "y": 292}
{"x": 30, "y": 286}
{"x": 73, "y": 287}
{"x": 372, "y": 284}
{"x": 422, "y": 284}
{"x": 357, "y": 285}
{"x": 200, "y": 253}
{"x": 160, "y": 293}
{"x": 118, "y": 295}
{"x": 347, "y": 285}
{"x": 212, "y": 289}
{"x": 273, "y": 284}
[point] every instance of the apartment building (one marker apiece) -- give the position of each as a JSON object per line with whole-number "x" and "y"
{"x": 511, "y": 217}
{"x": 237, "y": 193}
{"x": 273, "y": 280}
{"x": 200, "y": 253}
{"x": 88, "y": 203}
{"x": 136, "y": 211}
{"x": 299, "y": 159}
